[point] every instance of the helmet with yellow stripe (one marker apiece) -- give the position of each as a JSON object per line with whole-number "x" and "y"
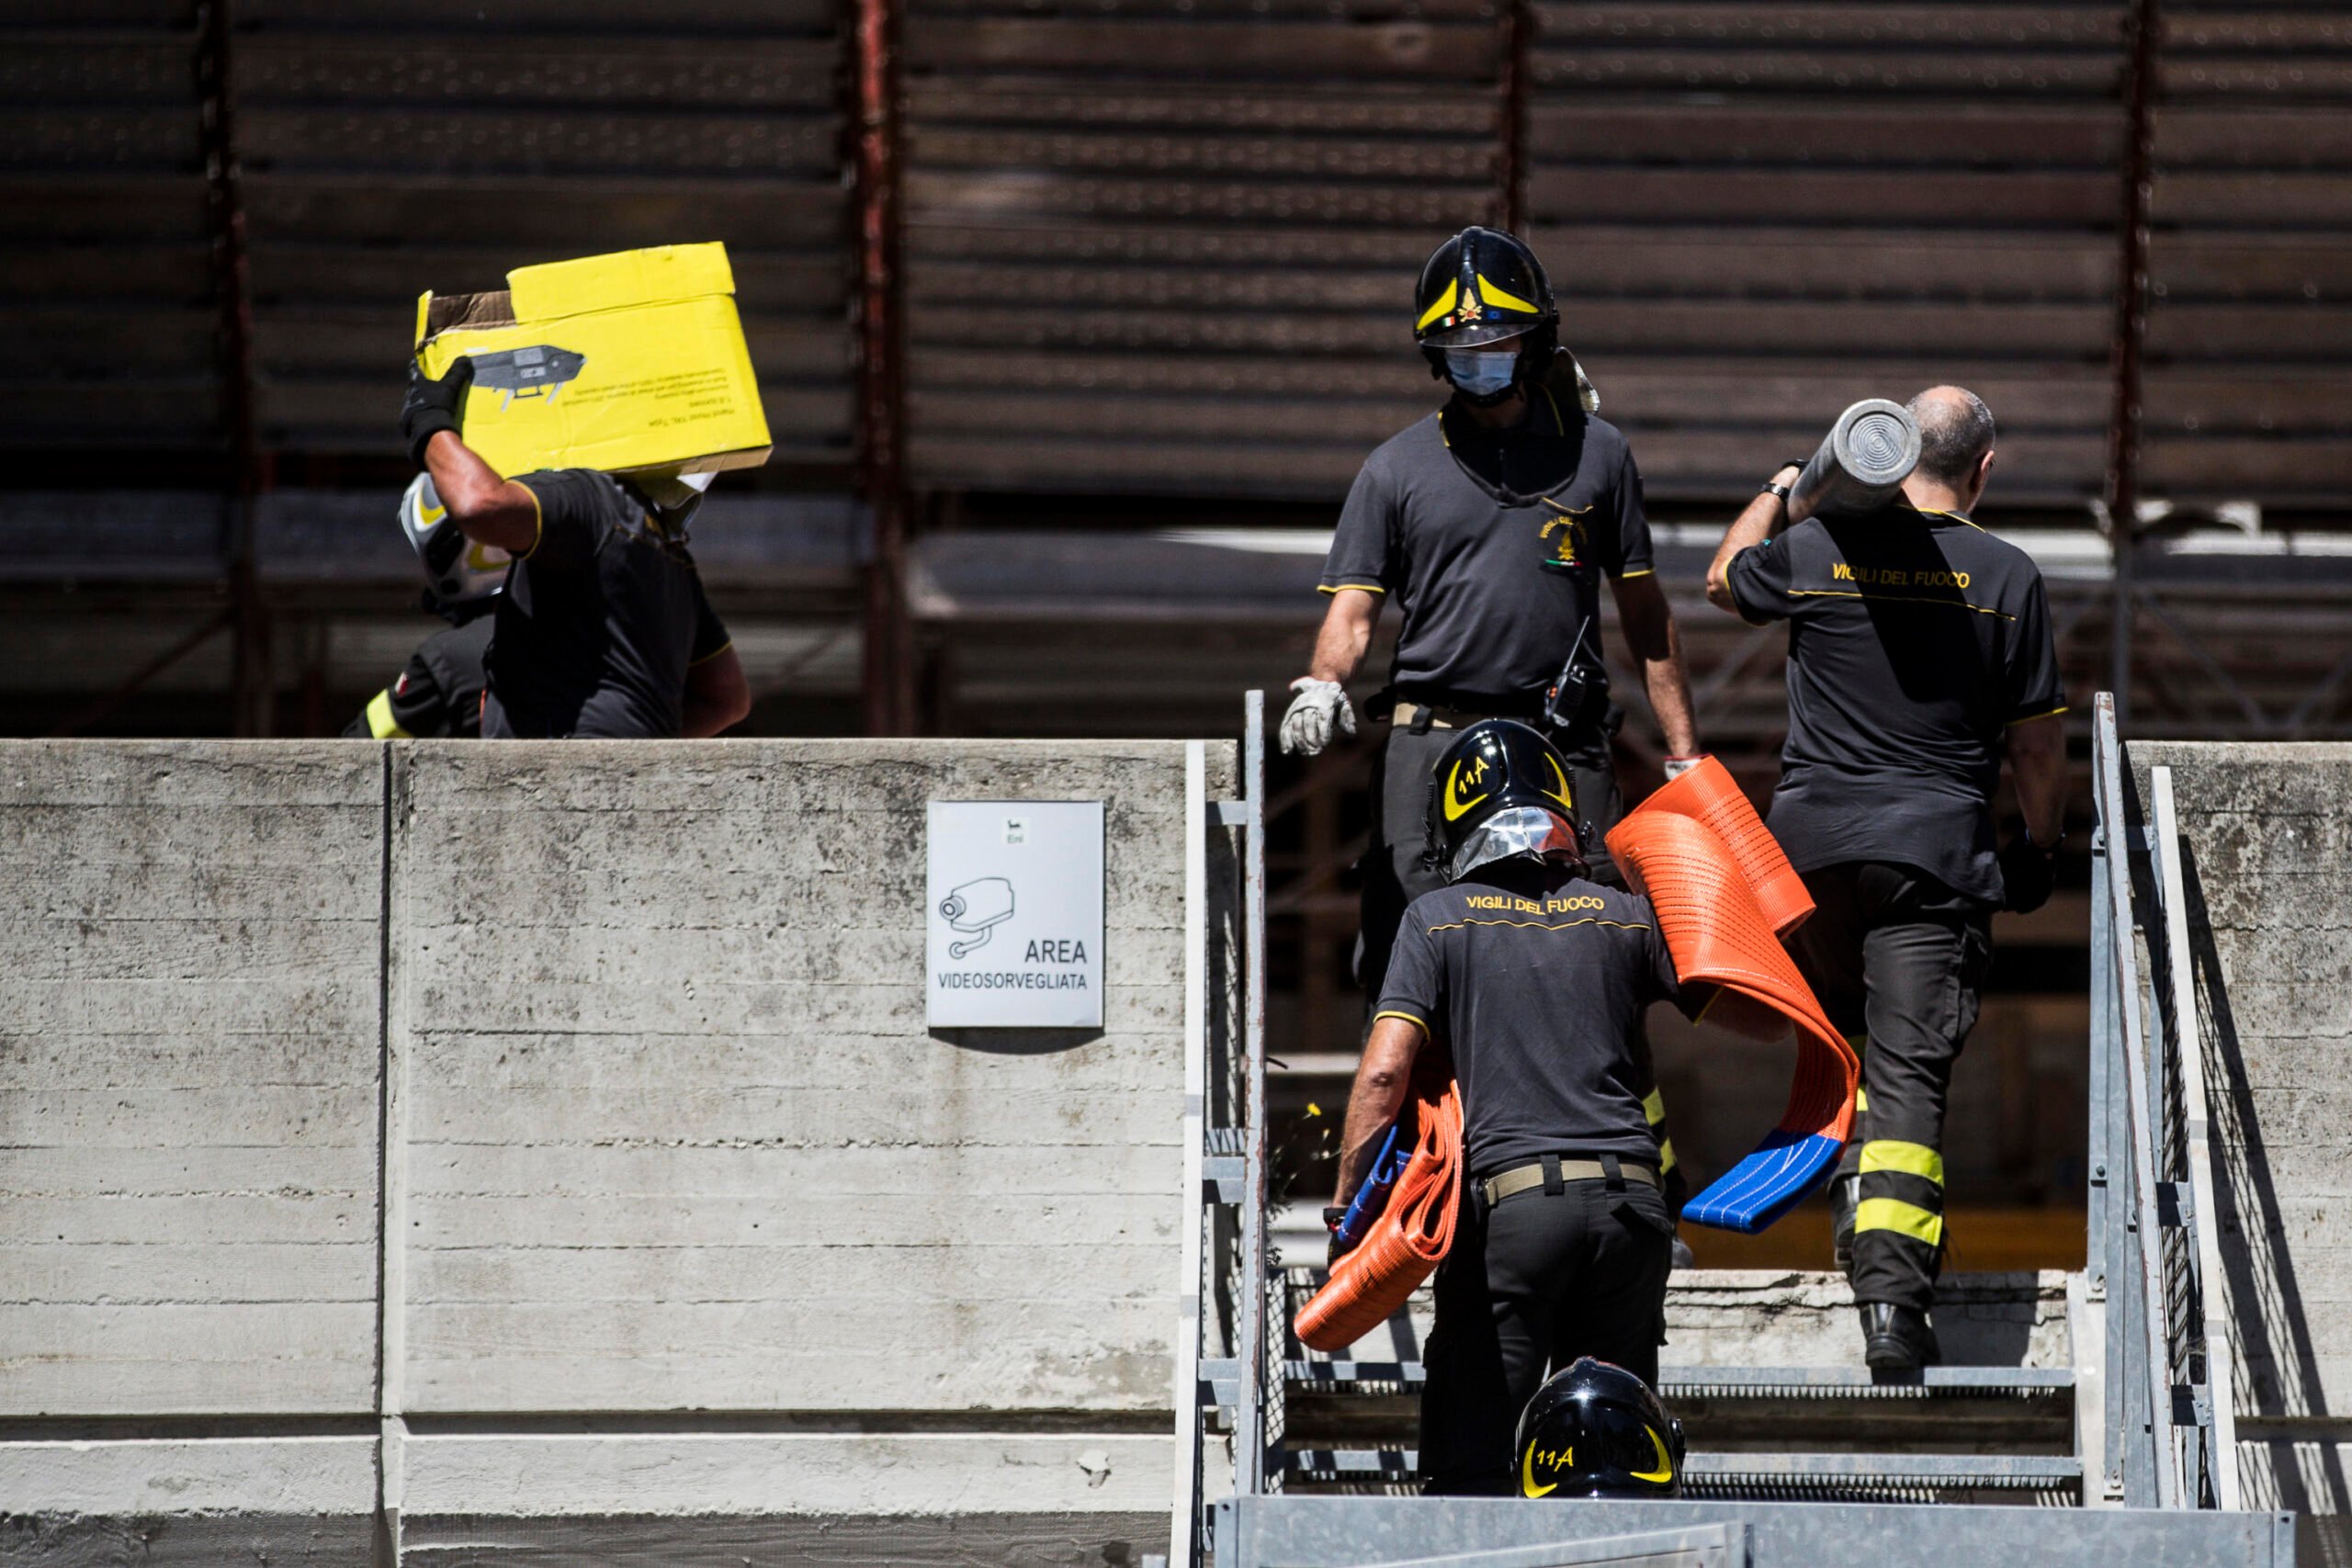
{"x": 1501, "y": 790}
{"x": 1482, "y": 289}
{"x": 1596, "y": 1430}
{"x": 459, "y": 571}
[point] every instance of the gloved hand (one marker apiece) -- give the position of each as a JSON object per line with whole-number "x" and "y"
{"x": 1340, "y": 1249}
{"x": 431, "y": 406}
{"x": 1319, "y": 705}
{"x": 1678, "y": 766}
{"x": 2027, "y": 873}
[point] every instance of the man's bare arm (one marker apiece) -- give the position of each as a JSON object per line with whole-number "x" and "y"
{"x": 489, "y": 508}
{"x": 1651, "y": 637}
{"x": 1765, "y": 516}
{"x": 1378, "y": 1095}
{"x": 1341, "y": 645}
{"x": 718, "y": 696}
{"x": 2038, "y": 761}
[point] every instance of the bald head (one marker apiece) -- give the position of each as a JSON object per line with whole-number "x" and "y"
{"x": 1955, "y": 432}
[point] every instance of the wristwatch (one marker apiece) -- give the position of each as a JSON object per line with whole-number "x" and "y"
{"x": 1774, "y": 487}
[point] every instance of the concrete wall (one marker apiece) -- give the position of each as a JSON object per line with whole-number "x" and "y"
{"x": 693, "y": 1236}
{"x": 189, "y": 1047}
{"x": 2267, "y": 836}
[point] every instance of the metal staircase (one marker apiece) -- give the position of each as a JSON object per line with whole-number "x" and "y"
{"x": 1983, "y": 1434}
{"x": 2108, "y": 1442}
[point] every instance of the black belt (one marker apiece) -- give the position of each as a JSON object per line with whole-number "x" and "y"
{"x": 1408, "y": 714}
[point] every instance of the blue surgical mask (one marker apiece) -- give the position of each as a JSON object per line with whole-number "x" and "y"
{"x": 1480, "y": 375}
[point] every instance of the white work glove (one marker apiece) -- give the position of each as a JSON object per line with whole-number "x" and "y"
{"x": 1307, "y": 726}
{"x": 1678, "y": 766}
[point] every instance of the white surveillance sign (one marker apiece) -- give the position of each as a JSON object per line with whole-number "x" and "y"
{"x": 1014, "y": 914}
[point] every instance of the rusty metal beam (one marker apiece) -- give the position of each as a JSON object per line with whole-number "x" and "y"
{"x": 2131, "y": 339}
{"x": 889, "y": 639}
{"x": 252, "y": 688}
{"x": 1519, "y": 43}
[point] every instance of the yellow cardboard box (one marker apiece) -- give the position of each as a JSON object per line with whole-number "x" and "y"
{"x": 628, "y": 363}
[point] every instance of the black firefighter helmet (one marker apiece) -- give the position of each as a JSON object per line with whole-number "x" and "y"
{"x": 1501, "y": 790}
{"x": 1482, "y": 286}
{"x": 1596, "y": 1430}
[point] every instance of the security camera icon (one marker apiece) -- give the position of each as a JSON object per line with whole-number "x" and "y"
{"x": 977, "y": 908}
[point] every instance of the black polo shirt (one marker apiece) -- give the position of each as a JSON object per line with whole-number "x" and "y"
{"x": 1534, "y": 979}
{"x": 599, "y": 622}
{"x": 1915, "y": 639}
{"x": 1493, "y": 545}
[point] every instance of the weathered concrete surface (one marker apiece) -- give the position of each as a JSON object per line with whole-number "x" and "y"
{"x": 2266, "y": 833}
{"x": 130, "y": 1477}
{"x": 589, "y": 1475}
{"x": 46, "y": 1540}
{"x": 668, "y": 1134}
{"x": 790, "y": 1540}
{"x": 189, "y": 1049}
{"x": 675, "y": 1131}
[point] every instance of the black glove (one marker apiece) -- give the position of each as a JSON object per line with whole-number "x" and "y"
{"x": 2027, "y": 872}
{"x": 1340, "y": 1249}
{"x": 431, "y": 406}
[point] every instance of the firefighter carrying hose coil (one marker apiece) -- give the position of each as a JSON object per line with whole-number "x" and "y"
{"x": 1920, "y": 654}
{"x": 1533, "y": 978}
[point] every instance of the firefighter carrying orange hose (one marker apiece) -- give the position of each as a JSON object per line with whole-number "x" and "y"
{"x": 1533, "y": 978}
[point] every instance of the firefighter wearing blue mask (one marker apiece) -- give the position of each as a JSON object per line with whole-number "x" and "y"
{"x": 1490, "y": 524}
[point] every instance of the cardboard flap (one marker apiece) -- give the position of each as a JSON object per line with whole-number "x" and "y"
{"x": 661, "y": 274}
{"x": 436, "y": 313}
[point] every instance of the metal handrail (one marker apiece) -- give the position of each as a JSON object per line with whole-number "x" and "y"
{"x": 2171, "y": 1433}
{"x": 1224, "y": 1164}
{"x": 2217, "y": 1413}
{"x": 2122, "y": 972}
{"x": 1257, "y": 1389}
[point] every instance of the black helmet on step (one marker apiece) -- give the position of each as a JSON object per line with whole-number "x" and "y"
{"x": 1501, "y": 790}
{"x": 1485, "y": 287}
{"x": 1596, "y": 1430}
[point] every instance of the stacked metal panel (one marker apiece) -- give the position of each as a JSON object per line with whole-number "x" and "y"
{"x": 2250, "y": 263}
{"x": 392, "y": 146}
{"x": 1757, "y": 213}
{"x": 106, "y": 283}
{"x": 1170, "y": 245}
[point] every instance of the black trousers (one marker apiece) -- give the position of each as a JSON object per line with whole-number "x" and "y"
{"x": 1541, "y": 1278}
{"x": 1898, "y": 961}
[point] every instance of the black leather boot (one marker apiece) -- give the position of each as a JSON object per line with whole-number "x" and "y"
{"x": 1844, "y": 1195}
{"x": 1896, "y": 1339}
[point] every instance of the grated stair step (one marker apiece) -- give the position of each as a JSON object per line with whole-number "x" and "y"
{"x": 1764, "y": 1476}
{"x": 1733, "y": 1383}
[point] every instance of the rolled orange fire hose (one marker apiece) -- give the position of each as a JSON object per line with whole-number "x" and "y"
{"x": 1370, "y": 1284}
{"x": 1725, "y": 895}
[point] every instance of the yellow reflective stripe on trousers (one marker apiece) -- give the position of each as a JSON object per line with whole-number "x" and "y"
{"x": 1861, "y": 1100}
{"x": 1654, "y": 1107}
{"x": 381, "y": 722}
{"x": 1911, "y": 1159}
{"x": 1904, "y": 1219}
